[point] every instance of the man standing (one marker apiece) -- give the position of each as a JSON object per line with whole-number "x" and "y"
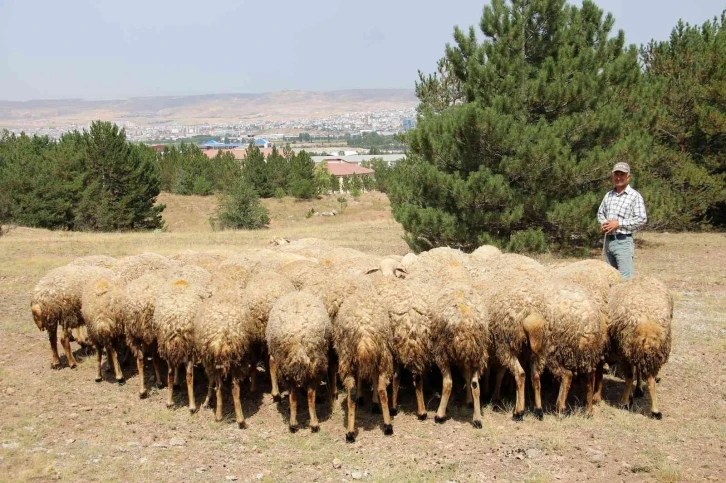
{"x": 621, "y": 213}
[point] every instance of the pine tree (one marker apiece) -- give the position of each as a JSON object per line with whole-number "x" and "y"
{"x": 549, "y": 101}
{"x": 255, "y": 171}
{"x": 689, "y": 163}
{"x": 240, "y": 208}
{"x": 278, "y": 168}
{"x": 302, "y": 176}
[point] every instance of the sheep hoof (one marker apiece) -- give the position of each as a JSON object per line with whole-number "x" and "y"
{"x": 375, "y": 409}
{"x": 657, "y": 416}
{"x": 169, "y": 405}
{"x": 121, "y": 381}
{"x": 539, "y": 414}
{"x": 192, "y": 410}
{"x": 276, "y": 398}
{"x": 422, "y": 417}
{"x": 293, "y": 428}
{"x": 56, "y": 366}
{"x": 315, "y": 429}
{"x": 159, "y": 385}
{"x": 394, "y": 411}
{"x": 518, "y": 417}
{"x": 388, "y": 429}
{"x": 638, "y": 392}
{"x": 73, "y": 366}
{"x": 206, "y": 406}
{"x": 143, "y": 395}
{"x": 350, "y": 437}
{"x": 98, "y": 379}
{"x": 476, "y": 424}
{"x": 241, "y": 425}
{"x": 439, "y": 420}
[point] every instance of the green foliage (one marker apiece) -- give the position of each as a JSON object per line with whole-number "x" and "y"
{"x": 256, "y": 172}
{"x": 94, "y": 180}
{"x": 240, "y": 208}
{"x": 302, "y": 176}
{"x": 334, "y": 184}
{"x": 322, "y": 178}
{"x": 279, "y": 193}
{"x": 345, "y": 184}
{"x": 374, "y": 141}
{"x": 186, "y": 170}
{"x": 343, "y": 202}
{"x": 549, "y": 101}
{"x": 382, "y": 173}
{"x": 689, "y": 164}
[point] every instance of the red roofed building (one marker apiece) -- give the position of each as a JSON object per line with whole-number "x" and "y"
{"x": 238, "y": 153}
{"x": 341, "y": 169}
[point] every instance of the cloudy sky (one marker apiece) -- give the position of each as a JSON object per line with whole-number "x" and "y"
{"x": 94, "y": 49}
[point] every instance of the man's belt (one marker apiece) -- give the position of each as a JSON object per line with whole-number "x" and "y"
{"x": 619, "y": 236}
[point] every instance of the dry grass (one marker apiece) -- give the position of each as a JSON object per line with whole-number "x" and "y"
{"x": 62, "y": 425}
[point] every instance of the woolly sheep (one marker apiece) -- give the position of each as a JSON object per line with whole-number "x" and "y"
{"x": 411, "y": 337}
{"x": 176, "y": 306}
{"x": 261, "y": 293}
{"x": 362, "y": 340}
{"x": 207, "y": 260}
{"x": 101, "y": 306}
{"x": 298, "y": 339}
{"x": 594, "y": 275}
{"x": 56, "y": 301}
{"x": 436, "y": 269}
{"x": 577, "y": 332}
{"x": 102, "y": 261}
{"x": 641, "y": 310}
{"x": 223, "y": 341}
{"x": 131, "y": 268}
{"x": 139, "y": 301}
{"x": 460, "y": 332}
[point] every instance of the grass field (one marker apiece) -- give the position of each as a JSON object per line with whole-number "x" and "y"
{"x": 62, "y": 425}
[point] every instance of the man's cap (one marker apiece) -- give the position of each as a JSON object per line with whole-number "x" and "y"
{"x": 622, "y": 167}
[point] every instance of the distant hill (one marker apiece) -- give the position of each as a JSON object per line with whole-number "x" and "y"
{"x": 212, "y": 108}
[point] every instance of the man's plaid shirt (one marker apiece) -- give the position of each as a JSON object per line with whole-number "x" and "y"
{"x": 627, "y": 207}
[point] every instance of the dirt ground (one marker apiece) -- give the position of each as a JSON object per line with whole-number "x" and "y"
{"x": 62, "y": 425}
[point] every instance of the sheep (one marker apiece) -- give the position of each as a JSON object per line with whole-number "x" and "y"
{"x": 362, "y": 340}
{"x": 262, "y": 291}
{"x": 641, "y": 310}
{"x": 577, "y": 332}
{"x": 298, "y": 338}
{"x": 139, "y": 301}
{"x": 173, "y": 323}
{"x": 131, "y": 268}
{"x": 309, "y": 247}
{"x": 519, "y": 331}
{"x": 436, "y": 269}
{"x": 486, "y": 266}
{"x": 207, "y": 260}
{"x": 223, "y": 341}
{"x": 101, "y": 307}
{"x": 411, "y": 318}
{"x": 485, "y": 252}
{"x": 408, "y": 260}
{"x": 102, "y": 261}
{"x": 56, "y": 301}
{"x": 460, "y": 332}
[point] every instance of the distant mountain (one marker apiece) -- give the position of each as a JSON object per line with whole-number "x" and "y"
{"x": 212, "y": 108}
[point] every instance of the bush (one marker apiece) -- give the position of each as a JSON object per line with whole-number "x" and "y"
{"x": 240, "y": 208}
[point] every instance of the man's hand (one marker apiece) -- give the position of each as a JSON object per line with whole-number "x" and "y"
{"x": 609, "y": 226}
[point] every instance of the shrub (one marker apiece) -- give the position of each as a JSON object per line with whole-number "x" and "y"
{"x": 240, "y": 208}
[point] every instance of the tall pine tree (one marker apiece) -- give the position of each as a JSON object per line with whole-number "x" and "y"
{"x": 518, "y": 151}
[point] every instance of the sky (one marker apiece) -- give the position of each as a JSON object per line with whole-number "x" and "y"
{"x": 93, "y": 49}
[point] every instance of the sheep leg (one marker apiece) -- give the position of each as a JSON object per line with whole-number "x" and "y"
{"x": 207, "y": 404}
{"x": 190, "y": 387}
{"x": 625, "y": 399}
{"x": 80, "y": 337}
{"x": 171, "y": 374}
{"x": 99, "y": 362}
{"x": 350, "y": 386}
{"x": 314, "y": 424}
{"x": 55, "y": 362}
{"x": 157, "y": 373}
{"x": 239, "y": 416}
{"x": 359, "y": 391}
{"x": 520, "y": 377}
{"x": 497, "y": 395}
{"x": 420, "y": 404}
{"x": 467, "y": 378}
{"x": 445, "y": 394}
{"x": 537, "y": 387}
{"x": 139, "y": 353}
{"x": 654, "y": 413}
{"x": 176, "y": 382}
{"x": 597, "y": 385}
{"x": 334, "y": 380}
{"x": 273, "y": 377}
{"x": 476, "y": 394}
{"x": 565, "y": 382}
{"x": 396, "y": 386}
{"x": 375, "y": 401}
{"x": 382, "y": 381}
{"x": 65, "y": 341}
{"x": 590, "y": 392}
{"x": 638, "y": 386}
{"x": 293, "y": 426}
{"x": 218, "y": 416}
{"x": 111, "y": 354}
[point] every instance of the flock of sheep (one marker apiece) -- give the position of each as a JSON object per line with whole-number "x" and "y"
{"x": 320, "y": 311}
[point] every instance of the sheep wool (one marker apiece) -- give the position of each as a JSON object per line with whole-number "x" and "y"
{"x": 594, "y": 275}
{"x": 298, "y": 338}
{"x": 131, "y": 268}
{"x": 102, "y": 261}
{"x": 641, "y": 310}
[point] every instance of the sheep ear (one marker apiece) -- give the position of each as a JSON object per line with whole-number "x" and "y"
{"x": 372, "y": 270}
{"x": 400, "y": 272}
